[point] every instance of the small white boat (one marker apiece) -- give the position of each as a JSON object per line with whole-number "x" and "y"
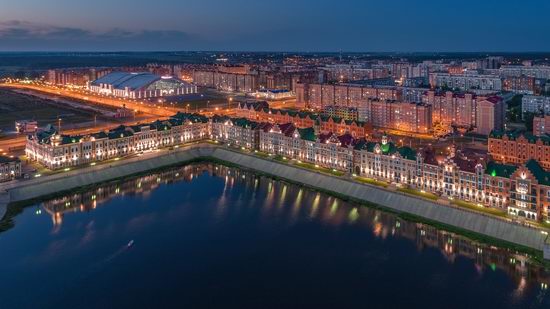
{"x": 131, "y": 243}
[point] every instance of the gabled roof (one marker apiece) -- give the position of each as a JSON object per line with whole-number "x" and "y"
{"x": 307, "y": 134}
{"x": 70, "y": 139}
{"x": 515, "y": 134}
{"x": 407, "y": 153}
{"x": 191, "y": 117}
{"x": 4, "y": 159}
{"x": 257, "y": 105}
{"x": 500, "y": 170}
{"x": 346, "y": 139}
{"x": 287, "y": 129}
{"x": 465, "y": 164}
{"x": 542, "y": 176}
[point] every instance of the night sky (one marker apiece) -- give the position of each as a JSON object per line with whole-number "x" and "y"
{"x": 283, "y": 25}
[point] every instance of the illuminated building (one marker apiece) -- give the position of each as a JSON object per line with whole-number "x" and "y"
{"x": 518, "y": 148}
{"x": 56, "y": 151}
{"x": 466, "y": 81}
{"x": 140, "y": 85}
{"x": 541, "y": 125}
{"x": 10, "y": 168}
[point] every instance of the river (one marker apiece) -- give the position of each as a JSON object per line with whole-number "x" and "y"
{"x": 206, "y": 235}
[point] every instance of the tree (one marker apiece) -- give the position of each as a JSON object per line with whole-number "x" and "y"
{"x": 528, "y": 118}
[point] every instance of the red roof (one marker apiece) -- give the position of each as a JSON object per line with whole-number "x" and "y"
{"x": 346, "y": 139}
{"x": 494, "y": 99}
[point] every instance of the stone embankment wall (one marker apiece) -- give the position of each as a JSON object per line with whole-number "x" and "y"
{"x": 399, "y": 202}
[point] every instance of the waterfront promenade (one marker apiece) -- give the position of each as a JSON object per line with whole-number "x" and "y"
{"x": 396, "y": 201}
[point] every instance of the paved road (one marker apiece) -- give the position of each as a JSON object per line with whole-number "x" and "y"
{"x": 16, "y": 143}
{"x": 159, "y": 110}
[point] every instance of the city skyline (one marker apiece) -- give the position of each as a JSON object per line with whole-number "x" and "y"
{"x": 315, "y": 26}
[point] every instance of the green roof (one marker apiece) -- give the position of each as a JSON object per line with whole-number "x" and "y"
{"x": 407, "y": 153}
{"x": 542, "y": 176}
{"x": 244, "y": 123}
{"x": 388, "y": 148}
{"x": 514, "y": 134}
{"x": 500, "y": 170}
{"x": 307, "y": 134}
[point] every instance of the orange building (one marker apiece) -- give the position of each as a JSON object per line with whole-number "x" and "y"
{"x": 317, "y": 96}
{"x": 402, "y": 116}
{"x": 541, "y": 125}
{"x": 258, "y": 112}
{"x": 517, "y": 148}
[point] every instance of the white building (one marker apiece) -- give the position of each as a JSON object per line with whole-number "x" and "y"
{"x": 466, "y": 81}
{"x": 56, "y": 151}
{"x": 535, "y": 104}
{"x": 140, "y": 85}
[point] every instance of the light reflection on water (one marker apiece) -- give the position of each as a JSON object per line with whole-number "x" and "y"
{"x": 284, "y": 206}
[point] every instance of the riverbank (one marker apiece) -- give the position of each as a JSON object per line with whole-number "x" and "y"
{"x": 429, "y": 211}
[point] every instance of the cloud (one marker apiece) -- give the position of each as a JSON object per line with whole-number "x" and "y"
{"x": 17, "y": 35}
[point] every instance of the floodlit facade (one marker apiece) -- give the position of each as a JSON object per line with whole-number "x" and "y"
{"x": 10, "y": 168}
{"x": 514, "y": 147}
{"x": 521, "y": 191}
{"x": 56, "y": 151}
{"x": 259, "y": 111}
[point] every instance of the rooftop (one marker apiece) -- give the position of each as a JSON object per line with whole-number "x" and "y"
{"x": 133, "y": 81}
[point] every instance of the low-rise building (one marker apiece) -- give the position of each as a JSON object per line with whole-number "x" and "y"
{"x": 10, "y": 168}
{"x": 521, "y": 191}
{"x": 517, "y": 148}
{"x": 54, "y": 150}
{"x": 26, "y": 126}
{"x": 303, "y": 119}
{"x": 140, "y": 85}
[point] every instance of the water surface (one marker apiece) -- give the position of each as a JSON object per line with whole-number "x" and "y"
{"x": 211, "y": 236}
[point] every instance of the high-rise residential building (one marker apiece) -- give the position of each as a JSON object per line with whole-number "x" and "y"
{"x": 490, "y": 62}
{"x": 396, "y": 115}
{"x": 541, "y": 125}
{"x": 316, "y": 96}
{"x": 535, "y": 104}
{"x": 490, "y": 114}
{"x": 451, "y": 108}
{"x": 75, "y": 77}
{"x": 536, "y": 71}
{"x": 347, "y": 113}
{"x": 520, "y": 84}
{"x": 227, "y": 79}
{"x": 466, "y": 81}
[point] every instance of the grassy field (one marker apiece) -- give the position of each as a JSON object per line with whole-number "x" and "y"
{"x": 427, "y": 195}
{"x": 15, "y": 106}
{"x": 371, "y": 181}
{"x": 319, "y": 169}
{"x": 491, "y": 211}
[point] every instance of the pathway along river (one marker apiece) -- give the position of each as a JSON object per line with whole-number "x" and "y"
{"x": 210, "y": 236}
